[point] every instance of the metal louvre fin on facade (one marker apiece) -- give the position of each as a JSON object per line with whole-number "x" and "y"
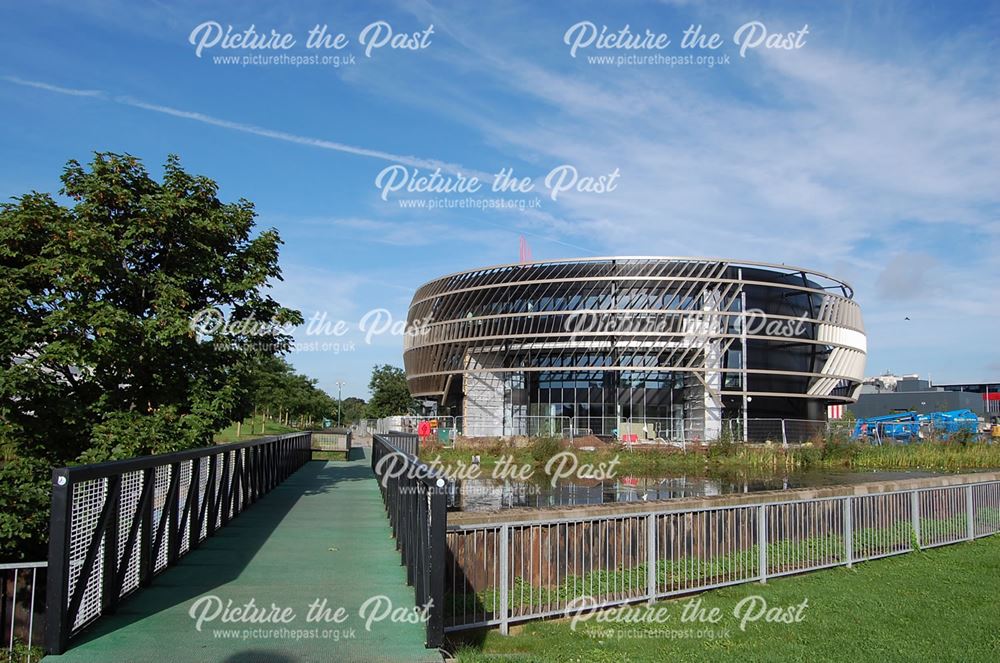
{"x": 697, "y": 337}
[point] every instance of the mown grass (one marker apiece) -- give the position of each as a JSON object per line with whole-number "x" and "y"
{"x": 938, "y": 605}
{"x": 783, "y": 555}
{"x": 250, "y": 430}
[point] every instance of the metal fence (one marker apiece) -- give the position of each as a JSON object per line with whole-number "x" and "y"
{"x": 508, "y": 572}
{"x": 539, "y": 426}
{"x": 414, "y": 497}
{"x": 683, "y": 432}
{"x": 409, "y": 424}
{"x": 639, "y": 430}
{"x": 21, "y": 603}
{"x": 115, "y": 525}
{"x": 785, "y": 431}
{"x": 407, "y": 443}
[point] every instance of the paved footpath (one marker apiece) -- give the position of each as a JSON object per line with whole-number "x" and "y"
{"x": 321, "y": 534}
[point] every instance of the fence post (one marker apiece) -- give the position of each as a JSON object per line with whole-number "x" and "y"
{"x": 437, "y": 560}
{"x": 970, "y": 511}
{"x": 784, "y": 434}
{"x": 915, "y": 516}
{"x": 762, "y": 542}
{"x": 504, "y": 578}
{"x": 57, "y": 626}
{"x": 651, "y": 556}
{"x": 849, "y": 531}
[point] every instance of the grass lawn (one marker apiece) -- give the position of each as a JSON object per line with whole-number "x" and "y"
{"x": 936, "y": 605}
{"x": 270, "y": 428}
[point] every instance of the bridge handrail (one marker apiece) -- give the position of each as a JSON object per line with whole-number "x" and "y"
{"x": 415, "y": 500}
{"x": 150, "y": 511}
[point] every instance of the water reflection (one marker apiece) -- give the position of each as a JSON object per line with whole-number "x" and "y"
{"x": 492, "y": 495}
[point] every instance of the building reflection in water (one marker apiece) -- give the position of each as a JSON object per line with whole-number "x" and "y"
{"x": 492, "y": 495}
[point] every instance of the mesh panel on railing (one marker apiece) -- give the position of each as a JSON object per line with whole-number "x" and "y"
{"x": 203, "y": 489}
{"x": 238, "y": 457}
{"x": 233, "y": 457}
{"x": 88, "y": 500}
{"x": 182, "y": 498}
{"x": 131, "y": 492}
{"x": 216, "y": 515}
{"x": 160, "y": 490}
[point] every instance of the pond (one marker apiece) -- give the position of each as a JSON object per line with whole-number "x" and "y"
{"x": 493, "y": 495}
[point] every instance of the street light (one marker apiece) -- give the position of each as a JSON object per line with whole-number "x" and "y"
{"x": 340, "y": 385}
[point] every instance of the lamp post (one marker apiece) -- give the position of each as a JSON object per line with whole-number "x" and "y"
{"x": 340, "y": 401}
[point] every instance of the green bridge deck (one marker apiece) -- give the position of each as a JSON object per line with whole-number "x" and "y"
{"x": 321, "y": 534}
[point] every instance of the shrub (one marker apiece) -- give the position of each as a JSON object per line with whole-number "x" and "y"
{"x": 725, "y": 446}
{"x": 841, "y": 451}
{"x": 24, "y": 509}
{"x": 497, "y": 447}
{"x": 544, "y": 448}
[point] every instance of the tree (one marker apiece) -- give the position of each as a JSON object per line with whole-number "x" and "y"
{"x": 390, "y": 393}
{"x": 99, "y": 359}
{"x": 282, "y": 393}
{"x": 353, "y": 409}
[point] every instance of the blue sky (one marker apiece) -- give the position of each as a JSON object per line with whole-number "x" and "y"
{"x": 871, "y": 151}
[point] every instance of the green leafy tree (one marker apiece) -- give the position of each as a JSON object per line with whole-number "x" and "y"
{"x": 390, "y": 393}
{"x": 353, "y": 409}
{"x": 282, "y": 393}
{"x": 99, "y": 359}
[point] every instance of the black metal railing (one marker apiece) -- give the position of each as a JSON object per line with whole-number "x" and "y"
{"x": 415, "y": 499}
{"x": 408, "y": 443}
{"x": 115, "y": 525}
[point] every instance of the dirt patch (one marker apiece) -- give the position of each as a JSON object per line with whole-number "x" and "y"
{"x": 588, "y": 443}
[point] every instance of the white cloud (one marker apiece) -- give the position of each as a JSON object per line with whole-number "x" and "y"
{"x": 408, "y": 160}
{"x": 73, "y": 92}
{"x": 909, "y": 277}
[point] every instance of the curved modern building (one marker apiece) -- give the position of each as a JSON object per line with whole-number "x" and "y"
{"x": 602, "y": 342}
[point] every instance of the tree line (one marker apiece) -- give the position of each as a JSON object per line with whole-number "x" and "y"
{"x": 280, "y": 394}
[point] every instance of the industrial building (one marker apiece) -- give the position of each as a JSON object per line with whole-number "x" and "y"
{"x": 598, "y": 341}
{"x": 989, "y": 394}
{"x": 887, "y": 394}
